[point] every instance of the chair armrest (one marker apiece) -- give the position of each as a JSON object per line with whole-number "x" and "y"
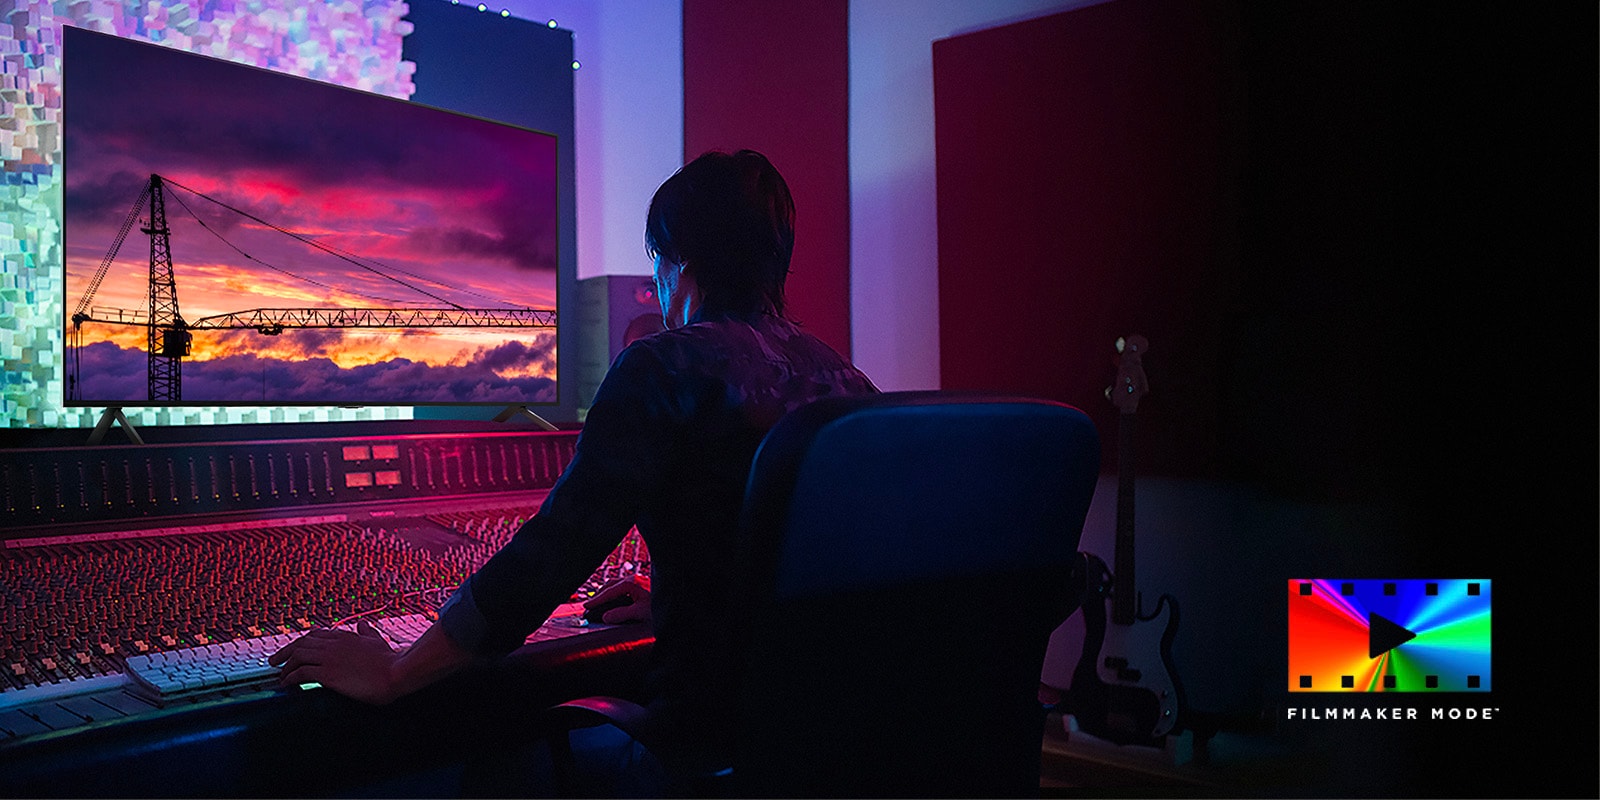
{"x": 586, "y": 712}
{"x": 629, "y": 717}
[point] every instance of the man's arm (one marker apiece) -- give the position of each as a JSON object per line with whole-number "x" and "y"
{"x": 618, "y": 461}
{"x": 361, "y": 664}
{"x": 618, "y": 466}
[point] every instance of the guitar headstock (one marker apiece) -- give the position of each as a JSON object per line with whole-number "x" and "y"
{"x": 1131, "y": 384}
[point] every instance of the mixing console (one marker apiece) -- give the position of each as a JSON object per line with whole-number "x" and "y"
{"x": 357, "y": 535}
{"x": 88, "y": 486}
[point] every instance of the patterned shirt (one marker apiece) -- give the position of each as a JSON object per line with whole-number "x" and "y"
{"x": 667, "y": 446}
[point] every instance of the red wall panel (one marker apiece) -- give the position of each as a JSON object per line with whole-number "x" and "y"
{"x": 1084, "y": 194}
{"x": 774, "y": 76}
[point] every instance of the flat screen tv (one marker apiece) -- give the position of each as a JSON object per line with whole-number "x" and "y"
{"x": 238, "y": 236}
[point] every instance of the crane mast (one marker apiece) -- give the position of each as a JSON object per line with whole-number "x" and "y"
{"x": 168, "y": 341}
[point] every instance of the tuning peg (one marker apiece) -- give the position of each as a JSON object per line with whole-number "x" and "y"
{"x": 1121, "y": 343}
{"x": 1108, "y": 392}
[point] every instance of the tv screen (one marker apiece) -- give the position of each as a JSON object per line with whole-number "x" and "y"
{"x": 238, "y": 236}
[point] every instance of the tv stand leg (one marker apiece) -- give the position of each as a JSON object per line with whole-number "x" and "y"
{"x": 109, "y": 416}
{"x": 516, "y": 411}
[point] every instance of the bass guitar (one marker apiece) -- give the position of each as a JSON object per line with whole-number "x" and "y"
{"x": 1124, "y": 688}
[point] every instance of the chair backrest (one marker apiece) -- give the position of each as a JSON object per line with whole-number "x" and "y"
{"x": 908, "y": 557}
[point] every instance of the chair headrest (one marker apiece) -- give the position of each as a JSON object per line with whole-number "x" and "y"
{"x": 912, "y": 486}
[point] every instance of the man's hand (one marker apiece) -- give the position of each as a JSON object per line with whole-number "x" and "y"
{"x": 359, "y": 665}
{"x": 635, "y": 590}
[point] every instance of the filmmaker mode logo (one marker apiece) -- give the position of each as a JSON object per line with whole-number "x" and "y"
{"x": 1389, "y": 635}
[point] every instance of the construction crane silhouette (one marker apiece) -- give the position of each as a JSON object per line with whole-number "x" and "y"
{"x": 169, "y": 336}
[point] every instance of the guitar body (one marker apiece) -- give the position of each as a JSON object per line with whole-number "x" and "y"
{"x": 1135, "y": 663}
{"x": 1124, "y": 687}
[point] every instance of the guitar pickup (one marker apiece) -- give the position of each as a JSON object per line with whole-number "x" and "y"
{"x": 1125, "y": 673}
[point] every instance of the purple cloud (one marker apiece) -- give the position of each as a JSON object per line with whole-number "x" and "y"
{"x": 310, "y": 157}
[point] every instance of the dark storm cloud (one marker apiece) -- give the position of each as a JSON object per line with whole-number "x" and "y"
{"x": 229, "y": 116}
{"x": 182, "y": 112}
{"x": 110, "y": 373}
{"x": 525, "y": 248}
{"x": 517, "y": 355}
{"x": 105, "y": 198}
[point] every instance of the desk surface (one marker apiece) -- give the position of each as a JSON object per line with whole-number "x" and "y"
{"x": 296, "y": 743}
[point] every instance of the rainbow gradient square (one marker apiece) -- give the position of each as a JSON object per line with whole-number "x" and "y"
{"x": 1388, "y": 635}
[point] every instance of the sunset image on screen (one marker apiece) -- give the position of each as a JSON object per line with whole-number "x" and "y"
{"x": 326, "y": 246}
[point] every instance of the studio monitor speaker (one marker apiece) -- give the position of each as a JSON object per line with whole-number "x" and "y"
{"x": 613, "y": 310}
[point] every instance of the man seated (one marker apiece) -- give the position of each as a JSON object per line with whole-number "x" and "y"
{"x": 666, "y": 447}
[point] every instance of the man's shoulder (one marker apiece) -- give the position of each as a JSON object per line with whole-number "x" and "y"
{"x": 714, "y": 336}
{"x": 674, "y": 346}
{"x": 725, "y": 346}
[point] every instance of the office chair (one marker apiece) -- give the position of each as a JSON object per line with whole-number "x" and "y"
{"x": 906, "y": 557}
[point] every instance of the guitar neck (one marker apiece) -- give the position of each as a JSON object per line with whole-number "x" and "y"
{"x": 1124, "y": 595}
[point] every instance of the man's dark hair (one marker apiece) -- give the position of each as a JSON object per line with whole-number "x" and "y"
{"x": 729, "y": 218}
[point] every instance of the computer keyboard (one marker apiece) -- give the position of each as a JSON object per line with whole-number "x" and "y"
{"x": 241, "y": 663}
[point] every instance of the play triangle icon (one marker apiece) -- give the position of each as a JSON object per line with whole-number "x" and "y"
{"x": 1384, "y": 635}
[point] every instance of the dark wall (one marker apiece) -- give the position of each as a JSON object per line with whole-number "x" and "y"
{"x": 1353, "y": 234}
{"x": 774, "y": 76}
{"x": 1361, "y": 238}
{"x": 1087, "y": 190}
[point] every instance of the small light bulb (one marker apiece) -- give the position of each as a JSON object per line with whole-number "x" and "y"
{"x": 551, "y": 23}
{"x": 575, "y": 65}
{"x": 505, "y": 12}
{"x": 482, "y": 7}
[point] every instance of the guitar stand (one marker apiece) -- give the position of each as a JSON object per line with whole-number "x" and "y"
{"x": 1162, "y": 752}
